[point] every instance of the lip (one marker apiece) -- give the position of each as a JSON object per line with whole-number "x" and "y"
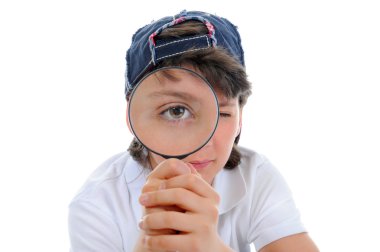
{"x": 198, "y": 165}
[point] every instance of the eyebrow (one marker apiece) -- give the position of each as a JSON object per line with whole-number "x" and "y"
{"x": 186, "y": 96}
{"x": 176, "y": 94}
{"x": 227, "y": 103}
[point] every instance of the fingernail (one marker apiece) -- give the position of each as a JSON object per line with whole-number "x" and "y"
{"x": 141, "y": 224}
{"x": 144, "y": 198}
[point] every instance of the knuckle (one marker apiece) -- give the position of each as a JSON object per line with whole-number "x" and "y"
{"x": 147, "y": 220}
{"x": 172, "y": 163}
{"x": 150, "y": 210}
{"x": 156, "y": 242}
{"x": 204, "y": 228}
{"x": 152, "y": 198}
{"x": 177, "y": 166}
{"x": 148, "y": 187}
{"x": 217, "y": 198}
{"x": 214, "y": 213}
{"x": 150, "y": 242}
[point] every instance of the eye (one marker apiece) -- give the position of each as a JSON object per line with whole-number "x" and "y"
{"x": 176, "y": 113}
{"x": 222, "y": 114}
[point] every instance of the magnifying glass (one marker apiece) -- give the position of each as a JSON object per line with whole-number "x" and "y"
{"x": 173, "y": 112}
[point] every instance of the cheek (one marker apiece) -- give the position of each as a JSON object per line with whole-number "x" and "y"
{"x": 225, "y": 135}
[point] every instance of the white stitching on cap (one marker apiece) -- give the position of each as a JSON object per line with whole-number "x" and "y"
{"x": 177, "y": 41}
{"x": 151, "y": 61}
{"x": 182, "y": 52}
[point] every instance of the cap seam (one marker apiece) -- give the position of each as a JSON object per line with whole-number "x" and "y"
{"x": 177, "y": 41}
{"x": 170, "y": 55}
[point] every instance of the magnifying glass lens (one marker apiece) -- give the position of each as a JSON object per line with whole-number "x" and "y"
{"x": 173, "y": 112}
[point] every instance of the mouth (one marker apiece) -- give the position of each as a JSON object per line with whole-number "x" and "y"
{"x": 198, "y": 165}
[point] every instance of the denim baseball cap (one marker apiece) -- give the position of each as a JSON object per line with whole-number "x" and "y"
{"x": 146, "y": 51}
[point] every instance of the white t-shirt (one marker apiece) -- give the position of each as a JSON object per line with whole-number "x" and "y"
{"x": 256, "y": 206}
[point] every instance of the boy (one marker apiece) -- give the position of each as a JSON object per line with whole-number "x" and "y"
{"x": 220, "y": 198}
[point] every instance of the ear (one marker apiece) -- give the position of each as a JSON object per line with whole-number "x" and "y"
{"x": 127, "y": 119}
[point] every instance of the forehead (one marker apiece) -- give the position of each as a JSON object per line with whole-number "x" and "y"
{"x": 175, "y": 82}
{"x": 225, "y": 101}
{"x": 184, "y": 78}
{"x": 222, "y": 87}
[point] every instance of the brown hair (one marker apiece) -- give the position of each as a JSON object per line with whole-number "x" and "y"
{"x": 221, "y": 69}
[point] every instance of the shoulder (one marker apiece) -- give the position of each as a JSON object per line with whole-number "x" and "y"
{"x": 100, "y": 215}
{"x": 255, "y": 166}
{"x": 109, "y": 179}
{"x": 106, "y": 211}
{"x": 261, "y": 177}
{"x": 272, "y": 210}
{"x": 244, "y": 179}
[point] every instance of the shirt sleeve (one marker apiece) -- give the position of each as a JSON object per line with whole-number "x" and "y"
{"x": 90, "y": 229}
{"x": 273, "y": 212}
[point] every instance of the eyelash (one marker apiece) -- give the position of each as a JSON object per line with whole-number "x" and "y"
{"x": 224, "y": 114}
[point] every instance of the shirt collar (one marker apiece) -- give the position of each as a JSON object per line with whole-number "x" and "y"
{"x": 231, "y": 187}
{"x": 134, "y": 171}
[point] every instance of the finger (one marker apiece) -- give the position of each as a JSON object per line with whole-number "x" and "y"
{"x": 140, "y": 245}
{"x": 181, "y": 242}
{"x": 162, "y": 231}
{"x": 152, "y": 210}
{"x": 193, "y": 170}
{"x": 152, "y": 185}
{"x": 184, "y": 222}
{"x": 166, "y": 169}
{"x": 149, "y": 210}
{"x": 170, "y": 168}
{"x": 180, "y": 197}
{"x": 192, "y": 183}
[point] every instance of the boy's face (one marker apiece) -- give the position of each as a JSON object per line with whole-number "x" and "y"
{"x": 209, "y": 160}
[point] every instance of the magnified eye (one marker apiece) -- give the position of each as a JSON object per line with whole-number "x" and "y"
{"x": 176, "y": 113}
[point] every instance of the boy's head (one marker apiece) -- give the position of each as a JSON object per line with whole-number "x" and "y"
{"x": 201, "y": 41}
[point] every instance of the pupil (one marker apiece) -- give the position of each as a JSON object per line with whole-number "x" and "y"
{"x": 177, "y": 112}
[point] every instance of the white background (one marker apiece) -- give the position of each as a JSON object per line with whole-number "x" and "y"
{"x": 314, "y": 111}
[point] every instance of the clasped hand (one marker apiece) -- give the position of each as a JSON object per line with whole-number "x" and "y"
{"x": 180, "y": 211}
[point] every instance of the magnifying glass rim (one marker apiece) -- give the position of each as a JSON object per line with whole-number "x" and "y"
{"x": 182, "y": 156}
